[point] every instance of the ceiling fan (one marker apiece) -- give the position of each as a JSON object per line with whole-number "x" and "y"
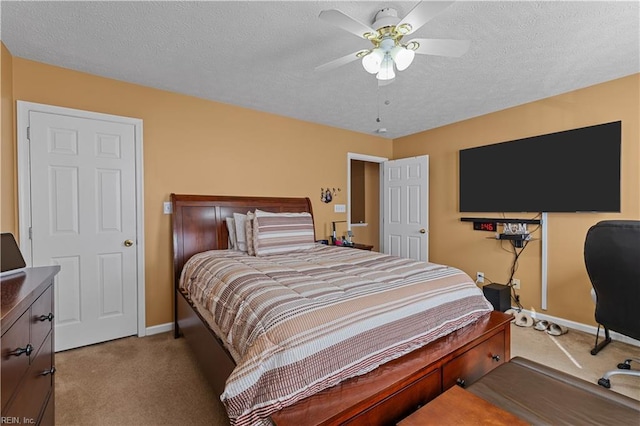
{"x": 386, "y": 34}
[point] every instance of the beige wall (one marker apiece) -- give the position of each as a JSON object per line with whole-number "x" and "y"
{"x": 455, "y": 243}
{"x": 8, "y": 196}
{"x": 201, "y": 147}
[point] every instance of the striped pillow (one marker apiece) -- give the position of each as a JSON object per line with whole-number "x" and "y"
{"x": 282, "y": 232}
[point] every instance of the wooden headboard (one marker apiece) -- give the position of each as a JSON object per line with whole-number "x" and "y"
{"x": 199, "y": 221}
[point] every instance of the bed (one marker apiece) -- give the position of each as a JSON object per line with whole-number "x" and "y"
{"x": 367, "y": 388}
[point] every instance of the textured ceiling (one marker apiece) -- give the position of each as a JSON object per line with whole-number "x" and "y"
{"x": 261, "y": 55}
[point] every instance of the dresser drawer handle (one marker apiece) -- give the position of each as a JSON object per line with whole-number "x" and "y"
{"x": 27, "y": 350}
{"x": 46, "y": 317}
{"x": 496, "y": 358}
{"x": 51, "y": 371}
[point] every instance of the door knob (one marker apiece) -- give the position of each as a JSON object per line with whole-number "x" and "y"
{"x": 423, "y": 231}
{"x": 128, "y": 243}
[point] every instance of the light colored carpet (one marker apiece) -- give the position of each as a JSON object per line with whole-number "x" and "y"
{"x": 155, "y": 381}
{"x": 134, "y": 381}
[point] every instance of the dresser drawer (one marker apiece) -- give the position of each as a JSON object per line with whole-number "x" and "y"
{"x": 14, "y": 366}
{"x": 475, "y": 363}
{"x": 34, "y": 391}
{"x": 41, "y": 318}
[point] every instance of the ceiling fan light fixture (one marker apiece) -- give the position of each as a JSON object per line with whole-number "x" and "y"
{"x": 413, "y": 45}
{"x": 402, "y": 57}
{"x": 373, "y": 61}
{"x": 404, "y": 29}
{"x": 386, "y": 69}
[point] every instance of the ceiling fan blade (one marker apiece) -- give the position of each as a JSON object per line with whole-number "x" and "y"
{"x": 440, "y": 47}
{"x": 423, "y": 13}
{"x": 346, "y": 22}
{"x": 338, "y": 62}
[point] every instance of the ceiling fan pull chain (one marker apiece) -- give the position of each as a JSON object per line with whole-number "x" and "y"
{"x": 378, "y": 102}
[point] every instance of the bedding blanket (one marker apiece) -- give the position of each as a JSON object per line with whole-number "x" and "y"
{"x": 300, "y": 322}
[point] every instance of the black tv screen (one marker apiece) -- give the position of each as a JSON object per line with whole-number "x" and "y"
{"x": 571, "y": 171}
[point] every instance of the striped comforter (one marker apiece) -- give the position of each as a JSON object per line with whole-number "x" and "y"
{"x": 301, "y": 322}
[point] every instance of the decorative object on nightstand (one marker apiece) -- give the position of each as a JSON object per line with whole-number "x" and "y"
{"x": 334, "y": 236}
{"x": 348, "y": 241}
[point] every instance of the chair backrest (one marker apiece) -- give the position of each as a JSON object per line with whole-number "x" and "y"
{"x": 612, "y": 258}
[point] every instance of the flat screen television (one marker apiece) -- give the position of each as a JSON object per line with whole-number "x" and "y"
{"x": 570, "y": 171}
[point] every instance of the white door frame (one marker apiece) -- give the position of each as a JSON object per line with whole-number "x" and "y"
{"x": 24, "y": 185}
{"x": 370, "y": 159}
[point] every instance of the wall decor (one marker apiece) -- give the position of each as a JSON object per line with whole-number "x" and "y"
{"x": 328, "y": 194}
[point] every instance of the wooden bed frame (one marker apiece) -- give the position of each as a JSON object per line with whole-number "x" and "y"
{"x": 382, "y": 396}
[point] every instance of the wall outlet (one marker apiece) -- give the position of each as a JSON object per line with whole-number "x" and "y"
{"x": 515, "y": 283}
{"x": 479, "y": 277}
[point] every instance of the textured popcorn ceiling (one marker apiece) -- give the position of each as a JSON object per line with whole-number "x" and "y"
{"x": 261, "y": 55}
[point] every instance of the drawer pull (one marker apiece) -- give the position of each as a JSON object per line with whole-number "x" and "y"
{"x": 496, "y": 358}
{"x": 46, "y": 317}
{"x": 51, "y": 371}
{"x": 461, "y": 383}
{"x": 26, "y": 350}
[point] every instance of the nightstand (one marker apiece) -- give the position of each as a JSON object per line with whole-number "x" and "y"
{"x": 355, "y": 245}
{"x": 362, "y": 246}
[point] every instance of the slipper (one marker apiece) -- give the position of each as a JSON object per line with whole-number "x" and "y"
{"x": 513, "y": 314}
{"x": 556, "y": 330}
{"x": 523, "y": 320}
{"x": 542, "y": 325}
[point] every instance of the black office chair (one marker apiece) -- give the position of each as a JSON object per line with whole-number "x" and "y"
{"x": 612, "y": 258}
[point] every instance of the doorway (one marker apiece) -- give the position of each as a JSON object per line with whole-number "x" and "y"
{"x": 364, "y": 207}
{"x": 396, "y": 200}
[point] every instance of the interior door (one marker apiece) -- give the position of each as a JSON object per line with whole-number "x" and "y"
{"x": 406, "y": 208}
{"x": 83, "y": 218}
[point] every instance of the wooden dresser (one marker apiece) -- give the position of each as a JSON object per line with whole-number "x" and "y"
{"x": 27, "y": 347}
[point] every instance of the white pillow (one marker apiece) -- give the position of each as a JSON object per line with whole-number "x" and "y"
{"x": 241, "y": 237}
{"x": 248, "y": 233}
{"x": 231, "y": 229}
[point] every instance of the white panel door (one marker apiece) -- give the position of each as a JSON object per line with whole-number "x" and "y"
{"x": 406, "y": 208}
{"x": 83, "y": 218}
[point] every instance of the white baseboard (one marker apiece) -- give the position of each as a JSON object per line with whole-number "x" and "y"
{"x": 163, "y": 328}
{"x": 157, "y": 329}
{"x": 582, "y": 327}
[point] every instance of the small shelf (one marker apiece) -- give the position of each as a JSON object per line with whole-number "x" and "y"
{"x": 500, "y": 220}
{"x": 353, "y": 225}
